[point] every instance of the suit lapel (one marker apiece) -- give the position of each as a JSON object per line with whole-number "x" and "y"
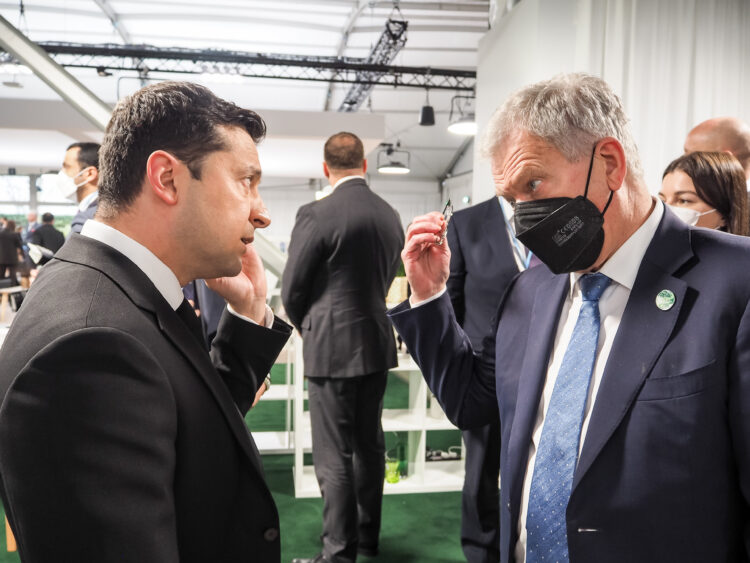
{"x": 182, "y": 338}
{"x": 137, "y": 286}
{"x": 643, "y": 333}
{"x": 545, "y": 315}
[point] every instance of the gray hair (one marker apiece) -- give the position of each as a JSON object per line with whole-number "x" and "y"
{"x": 571, "y": 112}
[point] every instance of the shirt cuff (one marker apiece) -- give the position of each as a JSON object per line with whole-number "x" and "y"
{"x": 415, "y": 304}
{"x": 267, "y": 321}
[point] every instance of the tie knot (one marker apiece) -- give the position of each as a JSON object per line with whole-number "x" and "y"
{"x": 593, "y": 285}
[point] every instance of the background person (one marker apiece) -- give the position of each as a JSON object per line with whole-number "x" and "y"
{"x": 113, "y": 413}
{"x": 722, "y": 134}
{"x": 485, "y": 257}
{"x": 47, "y": 235}
{"x": 78, "y": 181}
{"x": 621, "y": 381}
{"x": 343, "y": 256}
{"x": 707, "y": 189}
{"x": 10, "y": 246}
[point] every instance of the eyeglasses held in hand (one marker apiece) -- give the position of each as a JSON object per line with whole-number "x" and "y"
{"x": 447, "y": 214}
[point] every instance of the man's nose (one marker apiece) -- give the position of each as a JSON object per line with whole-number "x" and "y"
{"x": 259, "y": 216}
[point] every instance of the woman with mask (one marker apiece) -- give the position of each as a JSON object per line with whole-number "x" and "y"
{"x": 708, "y": 189}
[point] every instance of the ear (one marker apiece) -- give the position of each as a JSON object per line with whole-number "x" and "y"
{"x": 92, "y": 176}
{"x": 326, "y": 172}
{"x": 611, "y": 152}
{"x": 161, "y": 171}
{"x": 364, "y": 166}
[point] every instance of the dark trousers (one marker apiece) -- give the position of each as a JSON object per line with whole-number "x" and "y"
{"x": 480, "y": 503}
{"x": 349, "y": 457}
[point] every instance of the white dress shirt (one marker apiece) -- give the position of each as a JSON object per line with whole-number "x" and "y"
{"x": 346, "y": 179}
{"x": 157, "y": 271}
{"x": 520, "y": 252}
{"x": 622, "y": 268}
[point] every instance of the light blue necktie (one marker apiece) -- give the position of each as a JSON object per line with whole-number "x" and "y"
{"x": 557, "y": 455}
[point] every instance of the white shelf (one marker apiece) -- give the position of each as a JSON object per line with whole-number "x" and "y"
{"x": 423, "y": 476}
{"x": 438, "y": 477}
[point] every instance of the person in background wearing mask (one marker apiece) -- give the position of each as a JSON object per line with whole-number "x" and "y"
{"x": 78, "y": 181}
{"x": 622, "y": 377}
{"x": 707, "y": 189}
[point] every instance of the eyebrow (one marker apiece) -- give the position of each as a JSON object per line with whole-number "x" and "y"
{"x": 253, "y": 171}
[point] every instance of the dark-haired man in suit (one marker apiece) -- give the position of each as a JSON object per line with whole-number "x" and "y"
{"x": 78, "y": 180}
{"x": 343, "y": 256}
{"x": 47, "y": 235}
{"x": 113, "y": 413}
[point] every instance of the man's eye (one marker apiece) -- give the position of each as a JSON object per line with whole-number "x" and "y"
{"x": 534, "y": 184}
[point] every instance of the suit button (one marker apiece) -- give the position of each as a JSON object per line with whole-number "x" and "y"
{"x": 508, "y": 506}
{"x": 271, "y": 534}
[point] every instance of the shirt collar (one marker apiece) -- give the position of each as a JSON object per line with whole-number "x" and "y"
{"x": 87, "y": 201}
{"x": 346, "y": 179}
{"x": 156, "y": 270}
{"x": 622, "y": 267}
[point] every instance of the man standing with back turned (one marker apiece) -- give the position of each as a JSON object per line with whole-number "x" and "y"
{"x": 343, "y": 256}
{"x": 621, "y": 377}
{"x": 121, "y": 439}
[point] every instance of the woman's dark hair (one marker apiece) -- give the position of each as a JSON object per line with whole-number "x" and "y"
{"x": 10, "y": 226}
{"x": 719, "y": 181}
{"x": 181, "y": 118}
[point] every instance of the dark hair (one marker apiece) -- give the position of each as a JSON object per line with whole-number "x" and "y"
{"x": 88, "y": 155}
{"x": 344, "y": 151}
{"x": 48, "y": 218}
{"x": 181, "y": 118}
{"x": 719, "y": 181}
{"x": 11, "y": 225}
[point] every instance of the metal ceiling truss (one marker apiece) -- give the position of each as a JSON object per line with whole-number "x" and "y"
{"x": 347, "y": 70}
{"x": 391, "y": 41}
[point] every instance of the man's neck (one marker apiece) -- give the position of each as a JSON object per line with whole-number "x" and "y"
{"x": 85, "y": 191}
{"x": 334, "y": 178}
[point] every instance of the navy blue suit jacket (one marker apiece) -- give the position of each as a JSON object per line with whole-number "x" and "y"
{"x": 482, "y": 266}
{"x": 664, "y": 472}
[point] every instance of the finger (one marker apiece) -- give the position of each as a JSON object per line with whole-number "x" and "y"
{"x": 425, "y": 226}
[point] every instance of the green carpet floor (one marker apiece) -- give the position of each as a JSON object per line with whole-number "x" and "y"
{"x": 419, "y": 528}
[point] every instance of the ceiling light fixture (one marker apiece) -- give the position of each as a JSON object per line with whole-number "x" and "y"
{"x": 461, "y": 119}
{"x": 392, "y": 160}
{"x": 427, "y": 114}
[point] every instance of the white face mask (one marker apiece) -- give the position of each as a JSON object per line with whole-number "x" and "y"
{"x": 690, "y": 216}
{"x": 67, "y": 185}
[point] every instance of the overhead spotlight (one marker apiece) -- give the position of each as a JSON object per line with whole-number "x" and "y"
{"x": 427, "y": 114}
{"x": 461, "y": 120}
{"x": 392, "y": 160}
{"x": 101, "y": 71}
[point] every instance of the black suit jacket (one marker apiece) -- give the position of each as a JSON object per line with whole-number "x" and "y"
{"x": 48, "y": 237}
{"x": 482, "y": 266}
{"x": 10, "y": 244}
{"x": 664, "y": 472}
{"x": 343, "y": 256}
{"x": 120, "y": 438}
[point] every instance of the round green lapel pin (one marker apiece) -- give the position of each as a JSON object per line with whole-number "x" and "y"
{"x": 665, "y": 300}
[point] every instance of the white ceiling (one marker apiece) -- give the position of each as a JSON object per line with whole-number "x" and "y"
{"x": 36, "y": 125}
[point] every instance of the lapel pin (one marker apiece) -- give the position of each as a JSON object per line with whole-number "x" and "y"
{"x": 665, "y": 300}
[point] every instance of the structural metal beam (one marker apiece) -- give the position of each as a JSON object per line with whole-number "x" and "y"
{"x": 349, "y": 70}
{"x": 56, "y": 77}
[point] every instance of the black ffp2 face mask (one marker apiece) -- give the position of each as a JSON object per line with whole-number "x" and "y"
{"x": 565, "y": 233}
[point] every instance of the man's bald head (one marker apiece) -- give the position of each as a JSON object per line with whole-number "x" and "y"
{"x": 722, "y": 134}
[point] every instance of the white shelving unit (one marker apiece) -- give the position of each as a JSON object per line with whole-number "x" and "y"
{"x": 423, "y": 476}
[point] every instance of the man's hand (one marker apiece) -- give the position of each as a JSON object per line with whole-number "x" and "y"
{"x": 426, "y": 262}
{"x": 260, "y": 392}
{"x": 245, "y": 292}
